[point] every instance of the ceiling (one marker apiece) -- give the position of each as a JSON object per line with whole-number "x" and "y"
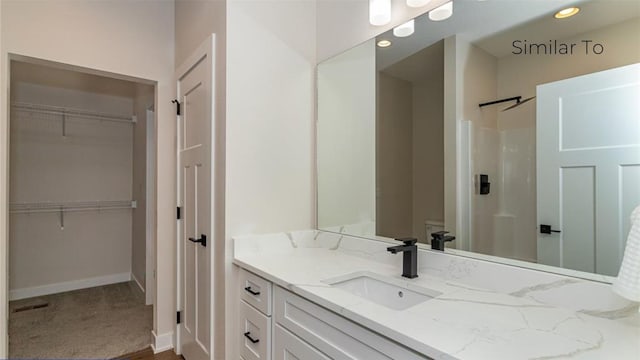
{"x": 486, "y": 23}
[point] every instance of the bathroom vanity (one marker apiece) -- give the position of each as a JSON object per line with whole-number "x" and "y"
{"x": 321, "y": 295}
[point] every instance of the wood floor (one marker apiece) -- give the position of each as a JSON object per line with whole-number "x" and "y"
{"x": 147, "y": 354}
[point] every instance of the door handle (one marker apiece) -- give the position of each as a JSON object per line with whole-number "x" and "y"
{"x": 202, "y": 240}
{"x": 546, "y": 229}
{"x": 248, "y": 336}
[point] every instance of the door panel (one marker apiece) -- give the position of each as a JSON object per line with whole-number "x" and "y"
{"x": 578, "y": 196}
{"x": 194, "y": 161}
{"x": 588, "y": 153}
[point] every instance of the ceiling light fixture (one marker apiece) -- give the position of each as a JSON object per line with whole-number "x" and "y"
{"x": 442, "y": 12}
{"x": 404, "y": 30}
{"x": 379, "y": 12}
{"x": 384, "y": 43}
{"x": 417, "y": 3}
{"x": 565, "y": 13}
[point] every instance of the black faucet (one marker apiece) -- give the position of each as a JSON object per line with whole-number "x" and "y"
{"x": 409, "y": 258}
{"x": 438, "y": 239}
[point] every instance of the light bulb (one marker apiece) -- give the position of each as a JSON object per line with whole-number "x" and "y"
{"x": 442, "y": 12}
{"x": 379, "y": 12}
{"x": 404, "y": 30}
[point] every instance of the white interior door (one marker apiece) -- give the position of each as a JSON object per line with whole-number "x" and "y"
{"x": 588, "y": 168}
{"x": 195, "y": 198}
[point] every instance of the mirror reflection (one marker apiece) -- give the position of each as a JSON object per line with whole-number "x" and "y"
{"x": 516, "y": 131}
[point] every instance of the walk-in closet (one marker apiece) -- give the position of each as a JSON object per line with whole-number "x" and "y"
{"x": 82, "y": 165}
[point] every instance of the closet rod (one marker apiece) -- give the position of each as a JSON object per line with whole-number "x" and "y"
{"x": 36, "y": 211}
{"x": 23, "y": 208}
{"x": 62, "y": 111}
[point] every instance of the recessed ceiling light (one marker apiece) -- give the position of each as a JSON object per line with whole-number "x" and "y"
{"x": 565, "y": 13}
{"x": 384, "y": 43}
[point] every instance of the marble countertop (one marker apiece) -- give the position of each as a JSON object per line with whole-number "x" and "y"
{"x": 485, "y": 310}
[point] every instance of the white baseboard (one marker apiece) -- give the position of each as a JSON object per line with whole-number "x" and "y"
{"x": 162, "y": 342}
{"x": 25, "y": 293}
{"x": 134, "y": 278}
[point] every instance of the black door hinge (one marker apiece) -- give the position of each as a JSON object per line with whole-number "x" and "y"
{"x": 175, "y": 101}
{"x": 178, "y": 213}
{"x": 178, "y": 317}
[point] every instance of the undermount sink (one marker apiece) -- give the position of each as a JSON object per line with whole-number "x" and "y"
{"x": 388, "y": 292}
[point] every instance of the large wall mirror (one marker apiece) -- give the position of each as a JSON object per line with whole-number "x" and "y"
{"x": 516, "y": 131}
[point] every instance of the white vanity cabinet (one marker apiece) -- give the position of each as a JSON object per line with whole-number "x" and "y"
{"x": 254, "y": 317}
{"x": 287, "y": 327}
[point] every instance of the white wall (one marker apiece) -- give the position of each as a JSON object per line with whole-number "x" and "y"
{"x": 346, "y": 137}
{"x": 270, "y": 118}
{"x": 92, "y": 162}
{"x": 128, "y": 38}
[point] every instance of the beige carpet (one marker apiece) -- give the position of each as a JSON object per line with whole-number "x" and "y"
{"x": 102, "y": 322}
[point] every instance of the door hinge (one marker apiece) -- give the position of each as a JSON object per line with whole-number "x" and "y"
{"x": 178, "y": 317}
{"x": 175, "y": 101}
{"x": 178, "y": 213}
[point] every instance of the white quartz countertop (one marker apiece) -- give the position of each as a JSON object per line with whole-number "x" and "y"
{"x": 483, "y": 313}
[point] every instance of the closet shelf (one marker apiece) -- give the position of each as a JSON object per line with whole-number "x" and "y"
{"x": 71, "y": 112}
{"x": 38, "y": 207}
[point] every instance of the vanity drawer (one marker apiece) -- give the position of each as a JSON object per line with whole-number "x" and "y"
{"x": 255, "y": 291}
{"x": 255, "y": 333}
{"x": 287, "y": 346}
{"x": 332, "y": 334}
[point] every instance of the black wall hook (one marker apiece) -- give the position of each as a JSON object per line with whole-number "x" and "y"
{"x": 175, "y": 101}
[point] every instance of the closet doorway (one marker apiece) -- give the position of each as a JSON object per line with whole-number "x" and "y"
{"x": 82, "y": 212}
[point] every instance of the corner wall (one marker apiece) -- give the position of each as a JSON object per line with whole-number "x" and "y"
{"x": 270, "y": 149}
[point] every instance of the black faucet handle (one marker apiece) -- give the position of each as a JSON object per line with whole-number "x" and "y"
{"x": 438, "y": 235}
{"x": 408, "y": 240}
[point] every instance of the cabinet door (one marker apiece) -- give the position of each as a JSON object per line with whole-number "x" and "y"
{"x": 287, "y": 346}
{"x": 255, "y": 333}
{"x": 333, "y": 335}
